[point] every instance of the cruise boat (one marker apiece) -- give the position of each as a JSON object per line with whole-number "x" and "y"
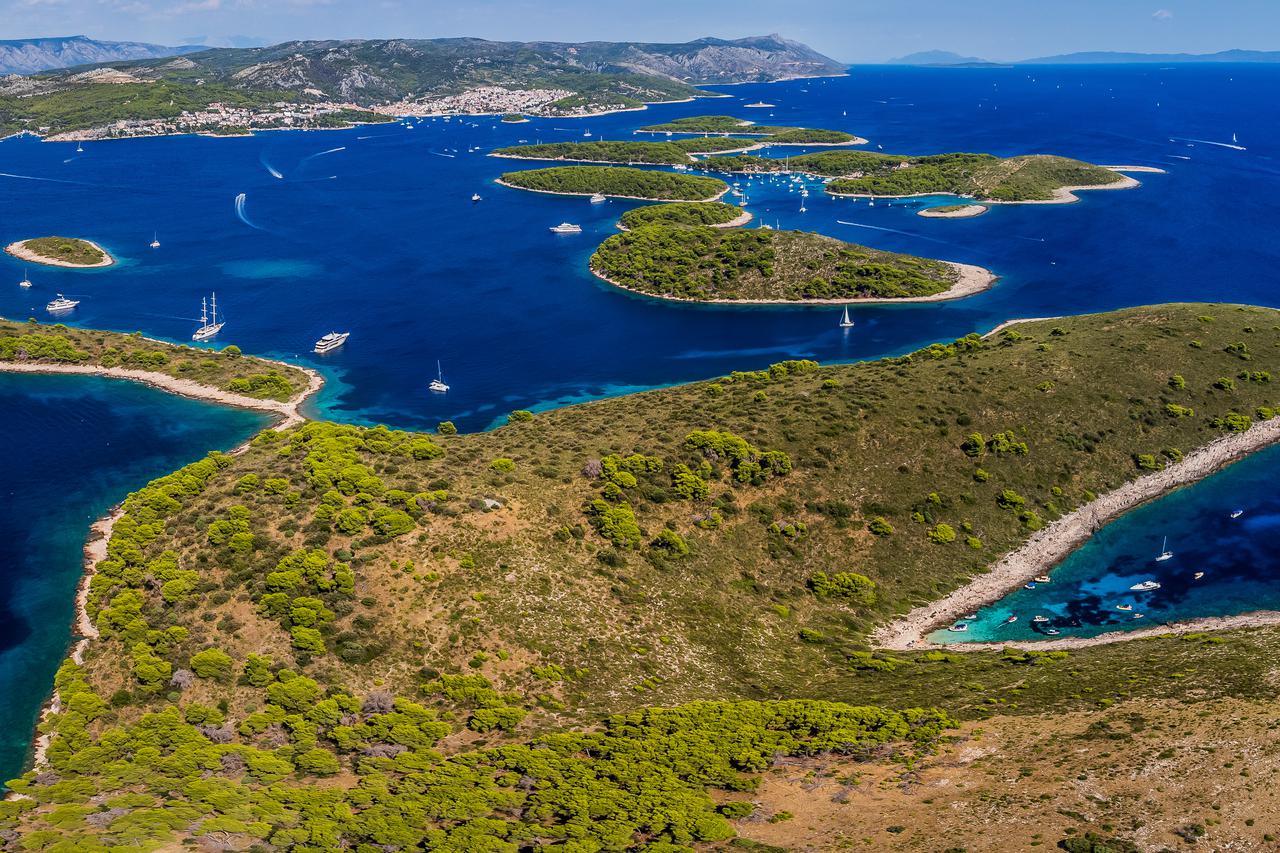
{"x": 1145, "y": 586}
{"x": 62, "y": 303}
{"x": 155, "y": 241}
{"x": 331, "y": 342}
{"x": 26, "y": 280}
{"x": 209, "y": 325}
{"x": 475, "y": 197}
{"x": 566, "y": 228}
{"x": 437, "y": 384}
{"x": 599, "y": 198}
{"x": 1165, "y": 553}
{"x": 845, "y": 321}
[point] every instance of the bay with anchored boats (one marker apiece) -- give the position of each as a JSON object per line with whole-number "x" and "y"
{"x": 1220, "y": 535}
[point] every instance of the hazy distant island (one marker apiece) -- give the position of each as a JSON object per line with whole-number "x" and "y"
{"x": 61, "y": 252}
{"x": 759, "y": 265}
{"x": 300, "y": 83}
{"x": 617, "y": 181}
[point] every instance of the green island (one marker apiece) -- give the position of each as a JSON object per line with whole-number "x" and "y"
{"x": 762, "y": 265}
{"x": 682, "y": 213}
{"x": 61, "y": 252}
{"x": 619, "y": 181}
{"x": 34, "y": 345}
{"x": 633, "y": 624}
{"x": 626, "y": 151}
{"x": 1036, "y": 177}
{"x": 772, "y": 135}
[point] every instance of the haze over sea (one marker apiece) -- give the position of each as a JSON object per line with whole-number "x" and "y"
{"x": 372, "y": 231}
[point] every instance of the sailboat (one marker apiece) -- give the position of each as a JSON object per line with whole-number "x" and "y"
{"x": 1234, "y": 139}
{"x": 209, "y": 325}
{"x": 155, "y": 240}
{"x": 1165, "y": 553}
{"x": 845, "y": 321}
{"x": 26, "y": 280}
{"x": 437, "y": 384}
{"x": 79, "y": 148}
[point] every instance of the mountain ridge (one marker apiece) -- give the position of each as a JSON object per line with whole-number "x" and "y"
{"x": 34, "y": 55}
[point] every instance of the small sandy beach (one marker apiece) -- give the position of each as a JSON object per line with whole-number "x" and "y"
{"x": 1048, "y": 547}
{"x": 972, "y": 279}
{"x": 20, "y": 250}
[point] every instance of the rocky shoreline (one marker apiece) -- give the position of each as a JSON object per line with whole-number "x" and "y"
{"x": 1048, "y": 547}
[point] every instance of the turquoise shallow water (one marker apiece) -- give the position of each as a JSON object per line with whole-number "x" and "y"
{"x": 1240, "y": 565}
{"x": 73, "y": 446}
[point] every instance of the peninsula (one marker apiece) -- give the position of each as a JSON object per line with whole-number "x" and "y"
{"x": 61, "y": 252}
{"x": 761, "y": 266}
{"x": 226, "y": 377}
{"x": 342, "y": 620}
{"x": 619, "y": 182}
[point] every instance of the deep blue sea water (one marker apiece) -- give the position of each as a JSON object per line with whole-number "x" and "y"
{"x": 73, "y": 446}
{"x": 372, "y": 231}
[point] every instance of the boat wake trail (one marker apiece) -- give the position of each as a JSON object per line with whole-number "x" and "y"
{"x": 49, "y": 180}
{"x": 240, "y": 212}
{"x": 275, "y": 173}
{"x": 1209, "y": 142}
{"x": 322, "y": 153}
{"x": 438, "y": 154}
{"x": 896, "y": 231}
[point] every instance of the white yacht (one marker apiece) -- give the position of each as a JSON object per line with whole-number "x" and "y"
{"x": 331, "y": 342}
{"x": 1039, "y": 619}
{"x": 1236, "y": 513}
{"x": 62, "y": 303}
{"x": 845, "y": 321}
{"x": 475, "y": 196}
{"x": 155, "y": 240}
{"x": 599, "y": 198}
{"x": 26, "y": 280}
{"x": 959, "y": 628}
{"x": 209, "y": 325}
{"x": 566, "y": 228}
{"x": 437, "y": 384}
{"x": 1145, "y": 586}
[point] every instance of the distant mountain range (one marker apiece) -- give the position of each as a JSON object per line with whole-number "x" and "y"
{"x": 31, "y": 56}
{"x": 945, "y": 58}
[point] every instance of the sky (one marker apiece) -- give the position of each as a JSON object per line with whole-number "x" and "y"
{"x": 849, "y": 30}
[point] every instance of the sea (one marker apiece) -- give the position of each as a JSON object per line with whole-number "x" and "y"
{"x": 373, "y": 231}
